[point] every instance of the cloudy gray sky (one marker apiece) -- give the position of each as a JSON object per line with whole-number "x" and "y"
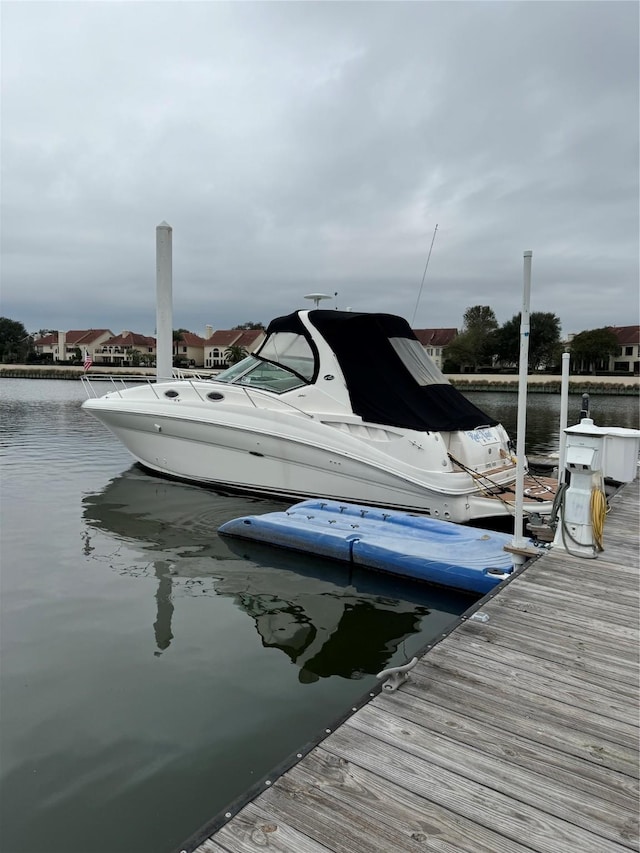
{"x": 302, "y": 146}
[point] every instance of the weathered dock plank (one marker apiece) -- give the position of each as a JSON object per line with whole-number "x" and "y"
{"x": 561, "y": 765}
{"x": 535, "y": 649}
{"x": 478, "y": 801}
{"x": 521, "y": 614}
{"x": 513, "y": 668}
{"x": 505, "y": 715}
{"x": 522, "y": 698}
{"x": 517, "y": 782}
{"x": 516, "y": 734}
{"x": 564, "y": 602}
{"x": 254, "y": 829}
{"x": 402, "y": 810}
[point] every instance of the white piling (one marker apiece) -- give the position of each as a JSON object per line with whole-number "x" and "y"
{"x": 62, "y": 346}
{"x": 564, "y": 411}
{"x": 518, "y": 538}
{"x": 164, "y": 302}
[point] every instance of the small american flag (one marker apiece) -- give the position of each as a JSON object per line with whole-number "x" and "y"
{"x": 88, "y": 361}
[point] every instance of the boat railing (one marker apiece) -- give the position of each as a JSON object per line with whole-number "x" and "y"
{"x": 180, "y": 373}
{"x": 94, "y": 384}
{"x": 94, "y": 387}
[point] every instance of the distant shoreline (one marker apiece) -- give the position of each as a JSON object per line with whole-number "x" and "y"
{"x": 537, "y": 383}
{"x": 547, "y": 384}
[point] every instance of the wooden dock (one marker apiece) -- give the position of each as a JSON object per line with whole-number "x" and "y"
{"x": 512, "y": 735}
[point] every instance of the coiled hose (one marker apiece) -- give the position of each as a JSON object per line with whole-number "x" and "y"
{"x": 599, "y": 510}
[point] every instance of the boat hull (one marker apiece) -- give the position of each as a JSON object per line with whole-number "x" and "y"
{"x": 292, "y": 458}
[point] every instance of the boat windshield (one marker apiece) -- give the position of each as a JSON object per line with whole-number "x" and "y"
{"x": 265, "y": 375}
{"x": 289, "y": 349}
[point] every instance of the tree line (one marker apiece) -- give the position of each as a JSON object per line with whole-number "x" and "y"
{"x": 483, "y": 344}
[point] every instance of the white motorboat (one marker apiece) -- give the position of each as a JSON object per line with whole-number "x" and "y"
{"x": 334, "y": 404}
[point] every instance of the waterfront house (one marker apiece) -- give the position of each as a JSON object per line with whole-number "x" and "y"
{"x": 188, "y": 350}
{"x": 434, "y": 342}
{"x": 63, "y": 346}
{"x": 627, "y": 360}
{"x": 128, "y": 349}
{"x": 216, "y": 346}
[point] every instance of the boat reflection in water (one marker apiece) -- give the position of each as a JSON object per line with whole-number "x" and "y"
{"x": 328, "y": 618}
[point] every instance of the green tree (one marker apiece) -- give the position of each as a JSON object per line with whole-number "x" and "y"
{"x": 177, "y": 336}
{"x": 250, "y": 326}
{"x": 134, "y": 356}
{"x": 590, "y": 350}
{"x": 474, "y": 345}
{"x": 459, "y": 355}
{"x": 179, "y": 359}
{"x": 555, "y": 365}
{"x": 235, "y": 353}
{"x": 544, "y": 337}
{"x": 15, "y": 343}
{"x": 480, "y": 319}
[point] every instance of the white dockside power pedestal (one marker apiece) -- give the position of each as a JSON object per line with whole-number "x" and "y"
{"x": 592, "y": 453}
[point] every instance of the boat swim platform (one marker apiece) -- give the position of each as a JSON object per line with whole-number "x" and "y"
{"x": 515, "y": 734}
{"x": 405, "y": 544}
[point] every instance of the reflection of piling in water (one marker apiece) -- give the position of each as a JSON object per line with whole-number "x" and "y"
{"x": 164, "y": 607}
{"x": 327, "y": 618}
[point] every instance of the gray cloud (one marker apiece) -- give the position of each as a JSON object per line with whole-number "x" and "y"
{"x": 297, "y": 147}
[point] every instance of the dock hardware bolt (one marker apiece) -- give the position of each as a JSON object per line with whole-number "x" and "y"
{"x": 396, "y": 675}
{"x": 479, "y": 616}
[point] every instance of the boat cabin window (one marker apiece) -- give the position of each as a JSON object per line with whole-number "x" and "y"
{"x": 415, "y": 359}
{"x": 256, "y": 373}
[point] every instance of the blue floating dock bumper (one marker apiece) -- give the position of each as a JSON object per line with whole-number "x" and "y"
{"x": 414, "y": 546}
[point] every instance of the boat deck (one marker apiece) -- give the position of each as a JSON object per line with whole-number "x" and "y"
{"x": 536, "y": 488}
{"x": 511, "y": 735}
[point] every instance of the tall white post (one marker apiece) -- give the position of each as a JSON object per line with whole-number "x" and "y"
{"x": 518, "y": 538}
{"x": 62, "y": 346}
{"x": 564, "y": 411}
{"x": 164, "y": 302}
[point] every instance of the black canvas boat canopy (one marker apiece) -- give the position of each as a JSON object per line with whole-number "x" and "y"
{"x": 390, "y": 378}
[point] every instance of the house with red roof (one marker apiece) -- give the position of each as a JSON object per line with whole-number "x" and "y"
{"x": 216, "y": 346}
{"x": 188, "y": 350}
{"x": 435, "y": 341}
{"x": 120, "y": 350}
{"x": 63, "y": 346}
{"x": 627, "y": 360}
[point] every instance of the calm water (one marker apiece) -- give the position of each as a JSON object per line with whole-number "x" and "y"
{"x": 152, "y": 672}
{"x": 543, "y": 414}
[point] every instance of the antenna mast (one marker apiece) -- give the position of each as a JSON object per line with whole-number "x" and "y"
{"x": 426, "y": 267}
{"x": 317, "y": 298}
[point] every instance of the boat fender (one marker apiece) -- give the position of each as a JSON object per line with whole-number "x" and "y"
{"x": 396, "y": 675}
